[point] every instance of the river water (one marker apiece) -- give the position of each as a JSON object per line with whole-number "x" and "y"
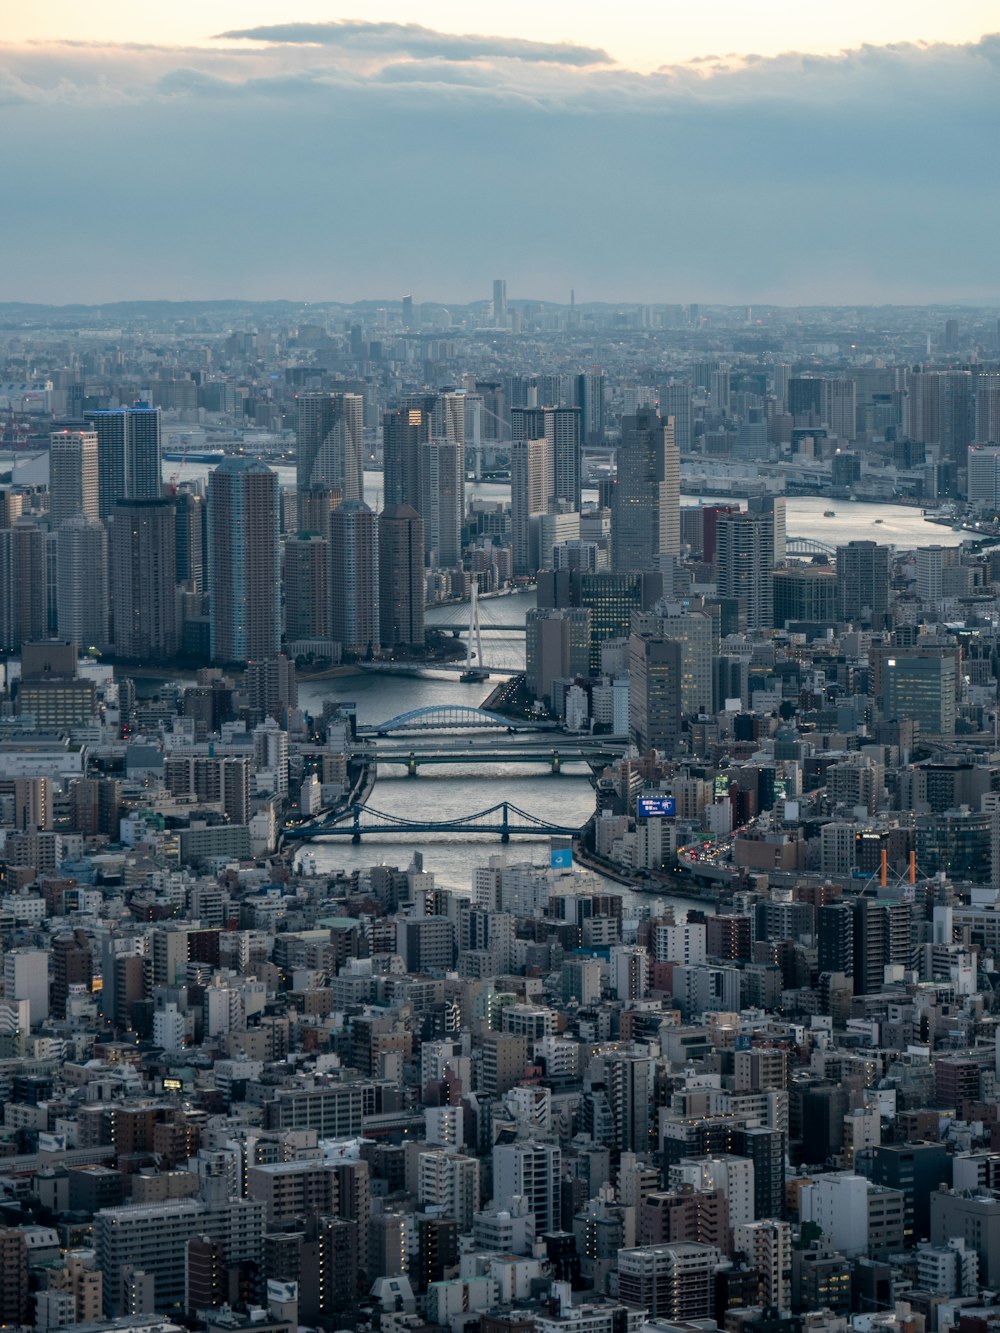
{"x": 445, "y": 793}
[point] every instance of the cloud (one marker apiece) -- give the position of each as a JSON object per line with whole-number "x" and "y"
{"x": 413, "y": 39}
{"x": 319, "y": 172}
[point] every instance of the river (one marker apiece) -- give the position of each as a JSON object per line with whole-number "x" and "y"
{"x": 444, "y": 793}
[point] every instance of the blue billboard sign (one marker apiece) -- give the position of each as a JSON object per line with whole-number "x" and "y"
{"x": 656, "y": 807}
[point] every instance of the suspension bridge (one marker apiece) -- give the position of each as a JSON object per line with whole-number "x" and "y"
{"x": 504, "y": 820}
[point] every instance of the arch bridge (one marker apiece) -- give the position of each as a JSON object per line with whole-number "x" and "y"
{"x": 807, "y": 546}
{"x": 447, "y": 717}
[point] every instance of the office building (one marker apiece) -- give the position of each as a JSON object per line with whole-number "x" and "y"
{"x": 400, "y": 577}
{"x": 23, "y": 585}
{"x": 629, "y": 1079}
{"x": 610, "y": 599}
{"x": 863, "y": 582}
{"x": 244, "y": 561}
{"x": 143, "y": 564}
{"x": 329, "y": 443}
{"x": 129, "y": 462}
{"x": 442, "y": 500}
{"x": 73, "y": 478}
{"x": 500, "y": 302}
{"x": 557, "y": 647}
{"x": 921, "y": 687}
{"x": 655, "y": 675}
{"x": 645, "y": 506}
{"x": 354, "y": 609}
{"x": 82, "y": 583}
{"x": 805, "y": 594}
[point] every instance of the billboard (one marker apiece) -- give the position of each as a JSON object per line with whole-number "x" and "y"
{"x": 655, "y": 807}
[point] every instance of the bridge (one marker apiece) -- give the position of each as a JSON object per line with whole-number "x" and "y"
{"x": 807, "y": 546}
{"x": 504, "y": 820}
{"x": 588, "y": 750}
{"x": 449, "y": 717}
{"x": 403, "y": 668}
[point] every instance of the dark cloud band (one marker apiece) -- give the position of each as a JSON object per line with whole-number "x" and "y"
{"x": 413, "y": 39}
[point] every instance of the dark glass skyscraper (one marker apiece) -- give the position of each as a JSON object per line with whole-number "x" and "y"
{"x": 329, "y": 437}
{"x": 244, "y": 569}
{"x": 129, "y": 456}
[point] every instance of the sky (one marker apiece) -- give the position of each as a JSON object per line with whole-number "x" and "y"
{"x": 789, "y": 151}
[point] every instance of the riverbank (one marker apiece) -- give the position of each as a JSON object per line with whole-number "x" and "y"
{"x": 656, "y": 887}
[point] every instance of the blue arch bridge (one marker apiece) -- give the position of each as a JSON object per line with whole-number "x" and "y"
{"x": 450, "y": 717}
{"x": 504, "y": 820}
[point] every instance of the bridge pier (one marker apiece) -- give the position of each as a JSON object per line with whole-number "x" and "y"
{"x": 556, "y": 764}
{"x": 356, "y": 834}
{"x": 411, "y": 766}
{"x": 505, "y": 825}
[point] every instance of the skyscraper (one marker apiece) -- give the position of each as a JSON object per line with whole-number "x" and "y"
{"x": 655, "y": 675}
{"x": 191, "y": 541}
{"x": 403, "y": 431}
{"x": 500, "y": 302}
{"x": 143, "y": 561}
{"x": 400, "y": 577}
{"x": 23, "y": 600}
{"x": 559, "y": 427}
{"x": 645, "y": 511}
{"x": 442, "y": 491}
{"x": 73, "y": 477}
{"x": 590, "y": 400}
{"x": 675, "y": 401}
{"x": 129, "y": 461}
{"x": 863, "y": 582}
{"x": 244, "y": 569}
{"x": 82, "y": 582}
{"x": 329, "y": 441}
{"x": 745, "y": 552}
{"x": 307, "y": 587}
{"x": 529, "y": 490}
{"x": 354, "y": 613}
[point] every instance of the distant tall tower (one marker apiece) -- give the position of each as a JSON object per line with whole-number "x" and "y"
{"x": 500, "y": 302}
{"x": 407, "y": 312}
{"x": 442, "y": 500}
{"x": 400, "y": 577}
{"x": 73, "y": 479}
{"x": 675, "y": 401}
{"x": 82, "y": 582}
{"x": 23, "y": 600}
{"x": 129, "y": 458}
{"x": 645, "y": 514}
{"x": 143, "y": 560}
{"x": 354, "y": 614}
{"x": 244, "y": 563}
{"x": 590, "y": 392}
{"x": 329, "y": 437}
